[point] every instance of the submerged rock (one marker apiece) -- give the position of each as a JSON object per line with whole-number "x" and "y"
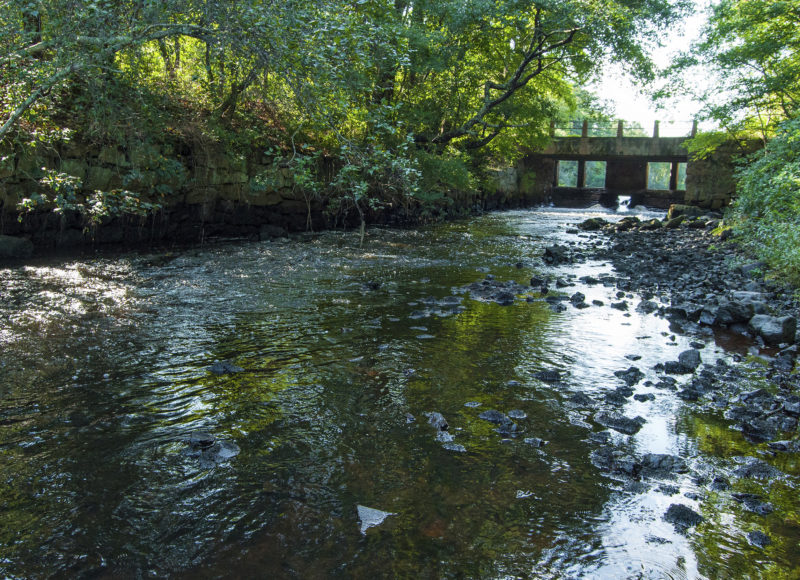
{"x": 758, "y": 539}
{"x": 753, "y": 503}
{"x": 550, "y": 376}
{"x": 682, "y": 517}
{"x": 659, "y": 464}
{"x": 210, "y": 451}
{"x": 505, "y": 426}
{"x": 224, "y": 368}
{"x": 756, "y": 469}
{"x": 450, "y": 446}
{"x": 201, "y": 439}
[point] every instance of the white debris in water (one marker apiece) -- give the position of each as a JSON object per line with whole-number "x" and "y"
{"x": 524, "y": 494}
{"x": 370, "y": 517}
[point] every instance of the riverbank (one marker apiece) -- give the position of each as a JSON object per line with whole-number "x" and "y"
{"x": 710, "y": 292}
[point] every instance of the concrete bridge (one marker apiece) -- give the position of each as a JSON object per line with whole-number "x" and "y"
{"x": 627, "y": 162}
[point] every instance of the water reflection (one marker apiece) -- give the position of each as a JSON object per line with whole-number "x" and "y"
{"x": 105, "y": 375}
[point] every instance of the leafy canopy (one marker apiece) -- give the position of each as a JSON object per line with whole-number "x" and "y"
{"x": 385, "y": 86}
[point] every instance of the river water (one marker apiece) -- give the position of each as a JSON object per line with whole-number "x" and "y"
{"x": 104, "y": 381}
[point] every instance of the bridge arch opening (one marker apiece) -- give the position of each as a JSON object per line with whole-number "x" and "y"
{"x": 581, "y": 174}
{"x": 666, "y": 176}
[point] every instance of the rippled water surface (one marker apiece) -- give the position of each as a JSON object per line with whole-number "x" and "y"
{"x": 104, "y": 377}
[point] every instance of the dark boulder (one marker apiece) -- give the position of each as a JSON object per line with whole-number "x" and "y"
{"x": 556, "y": 254}
{"x": 201, "y": 439}
{"x": 687, "y": 363}
{"x": 682, "y": 517}
{"x": 690, "y": 359}
{"x": 631, "y": 376}
{"x": 753, "y": 503}
{"x": 756, "y": 469}
{"x": 774, "y": 329}
{"x": 619, "y": 422}
{"x": 677, "y": 209}
{"x": 577, "y": 298}
{"x": 592, "y": 224}
{"x": 659, "y": 464}
{"x": 758, "y": 539}
{"x": 549, "y": 376}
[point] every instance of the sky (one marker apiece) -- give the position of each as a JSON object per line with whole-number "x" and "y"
{"x": 629, "y": 102}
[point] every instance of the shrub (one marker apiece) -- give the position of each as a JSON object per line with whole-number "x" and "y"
{"x": 767, "y": 210}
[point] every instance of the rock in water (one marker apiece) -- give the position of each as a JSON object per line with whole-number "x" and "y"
{"x": 224, "y": 367}
{"x": 549, "y": 376}
{"x": 690, "y": 359}
{"x": 631, "y": 376}
{"x": 682, "y": 517}
{"x": 370, "y": 517}
{"x": 201, "y": 439}
{"x": 437, "y": 420}
{"x": 619, "y": 422}
{"x": 758, "y": 539}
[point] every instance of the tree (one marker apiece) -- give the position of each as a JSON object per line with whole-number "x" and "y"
{"x": 750, "y": 51}
{"x": 390, "y": 89}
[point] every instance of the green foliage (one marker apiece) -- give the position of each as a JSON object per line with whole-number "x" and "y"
{"x": 101, "y": 205}
{"x": 767, "y": 209}
{"x": 444, "y": 172}
{"x": 387, "y": 90}
{"x": 61, "y": 193}
{"x": 702, "y": 145}
{"x": 749, "y": 50}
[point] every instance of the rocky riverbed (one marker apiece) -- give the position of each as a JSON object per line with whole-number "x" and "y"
{"x": 703, "y": 284}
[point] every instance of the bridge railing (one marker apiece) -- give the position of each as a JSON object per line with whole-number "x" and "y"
{"x": 587, "y": 128}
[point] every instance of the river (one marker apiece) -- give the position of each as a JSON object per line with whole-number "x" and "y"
{"x": 344, "y": 351}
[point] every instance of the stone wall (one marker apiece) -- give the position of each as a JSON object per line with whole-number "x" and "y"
{"x": 710, "y": 182}
{"x": 203, "y": 192}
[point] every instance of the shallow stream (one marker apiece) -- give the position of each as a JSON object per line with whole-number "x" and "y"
{"x": 104, "y": 380}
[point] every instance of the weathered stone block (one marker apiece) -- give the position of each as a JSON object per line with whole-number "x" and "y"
{"x": 15, "y": 248}
{"x": 113, "y": 156}
{"x": 200, "y": 194}
{"x": 230, "y": 191}
{"x": 100, "y": 178}
{"x": 264, "y": 199}
{"x": 237, "y": 177}
{"x": 74, "y": 167}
